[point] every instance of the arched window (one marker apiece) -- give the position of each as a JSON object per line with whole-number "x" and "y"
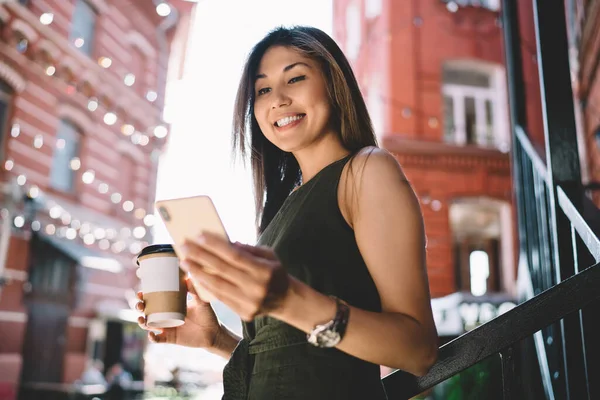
{"x": 62, "y": 175}
{"x": 482, "y": 240}
{"x": 83, "y": 26}
{"x": 6, "y": 93}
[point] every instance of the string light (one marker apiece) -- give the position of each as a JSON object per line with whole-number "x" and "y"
{"x": 70, "y": 233}
{"x": 151, "y": 96}
{"x": 50, "y": 229}
{"x": 19, "y": 221}
{"x": 163, "y": 9}
{"x": 129, "y": 79}
{"x": 139, "y": 232}
{"x": 99, "y": 233}
{"x": 34, "y": 192}
{"x": 75, "y": 164}
{"x": 46, "y": 18}
{"x": 89, "y": 239}
{"x": 116, "y": 198}
{"x": 144, "y": 140}
{"x": 92, "y": 104}
{"x": 105, "y": 62}
{"x": 36, "y": 226}
{"x": 55, "y": 212}
{"x": 452, "y": 7}
{"x": 104, "y": 244}
{"x": 127, "y": 129}
{"x": 73, "y": 228}
{"x": 149, "y": 220}
{"x": 15, "y": 130}
{"x": 110, "y": 118}
{"x": 160, "y": 132}
{"x": 128, "y": 206}
{"x": 88, "y": 177}
{"x": 38, "y": 142}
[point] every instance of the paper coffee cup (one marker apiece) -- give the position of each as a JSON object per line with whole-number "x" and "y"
{"x": 163, "y": 286}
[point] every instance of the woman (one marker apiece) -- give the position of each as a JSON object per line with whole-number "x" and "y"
{"x": 337, "y": 285}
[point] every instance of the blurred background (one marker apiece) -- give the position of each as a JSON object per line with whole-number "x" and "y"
{"x": 109, "y": 105}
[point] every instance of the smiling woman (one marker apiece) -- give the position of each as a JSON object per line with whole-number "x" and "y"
{"x": 337, "y": 284}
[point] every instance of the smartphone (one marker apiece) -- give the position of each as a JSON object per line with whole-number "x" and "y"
{"x": 189, "y": 217}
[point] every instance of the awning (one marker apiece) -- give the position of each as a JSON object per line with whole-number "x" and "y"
{"x": 85, "y": 256}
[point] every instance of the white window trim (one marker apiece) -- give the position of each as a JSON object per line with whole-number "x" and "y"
{"x": 496, "y": 94}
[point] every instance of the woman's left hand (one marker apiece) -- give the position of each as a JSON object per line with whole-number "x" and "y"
{"x": 248, "y": 279}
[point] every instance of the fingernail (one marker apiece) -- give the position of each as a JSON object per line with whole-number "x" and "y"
{"x": 201, "y": 239}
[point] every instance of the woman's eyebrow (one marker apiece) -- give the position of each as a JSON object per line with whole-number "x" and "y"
{"x": 289, "y": 67}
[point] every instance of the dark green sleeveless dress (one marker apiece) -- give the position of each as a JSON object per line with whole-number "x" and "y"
{"x": 317, "y": 246}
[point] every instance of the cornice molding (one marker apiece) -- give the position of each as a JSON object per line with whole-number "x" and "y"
{"x": 442, "y": 155}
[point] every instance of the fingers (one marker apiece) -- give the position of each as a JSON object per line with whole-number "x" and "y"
{"x": 258, "y": 251}
{"x": 223, "y": 290}
{"x": 191, "y": 288}
{"x": 210, "y": 263}
{"x": 216, "y": 246}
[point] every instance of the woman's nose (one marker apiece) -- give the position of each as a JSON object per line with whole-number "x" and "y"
{"x": 280, "y": 99}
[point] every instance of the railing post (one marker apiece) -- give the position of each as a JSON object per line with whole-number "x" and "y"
{"x": 507, "y": 358}
{"x": 523, "y": 171}
{"x": 563, "y": 168}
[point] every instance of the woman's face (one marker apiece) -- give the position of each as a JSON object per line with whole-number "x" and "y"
{"x": 291, "y": 104}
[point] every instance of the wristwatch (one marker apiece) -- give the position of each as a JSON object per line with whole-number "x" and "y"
{"x": 331, "y": 333}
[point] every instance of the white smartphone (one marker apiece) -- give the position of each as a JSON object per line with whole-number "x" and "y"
{"x": 188, "y": 217}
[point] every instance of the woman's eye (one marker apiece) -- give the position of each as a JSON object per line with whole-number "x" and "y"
{"x": 263, "y": 91}
{"x": 297, "y": 79}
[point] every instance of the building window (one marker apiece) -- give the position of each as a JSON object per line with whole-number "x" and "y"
{"x": 83, "y": 26}
{"x": 470, "y": 107}
{"x": 5, "y": 100}
{"x": 493, "y": 5}
{"x": 482, "y": 236}
{"x": 66, "y": 149}
{"x": 373, "y": 8}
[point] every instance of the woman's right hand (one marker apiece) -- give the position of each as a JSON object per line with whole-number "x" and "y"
{"x": 201, "y": 327}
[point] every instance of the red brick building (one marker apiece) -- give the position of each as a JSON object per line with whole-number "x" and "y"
{"x": 433, "y": 76}
{"x": 82, "y": 89}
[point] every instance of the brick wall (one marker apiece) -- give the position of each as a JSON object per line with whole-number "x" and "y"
{"x": 125, "y": 33}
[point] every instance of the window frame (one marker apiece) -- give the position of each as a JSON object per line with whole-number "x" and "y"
{"x": 495, "y": 93}
{"x": 76, "y": 133}
{"x": 6, "y": 97}
{"x": 88, "y": 45}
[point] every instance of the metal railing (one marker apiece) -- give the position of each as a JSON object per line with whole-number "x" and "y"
{"x": 552, "y": 301}
{"x": 559, "y": 249}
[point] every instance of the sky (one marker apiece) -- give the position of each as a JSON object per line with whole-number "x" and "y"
{"x": 200, "y": 106}
{"x": 197, "y": 159}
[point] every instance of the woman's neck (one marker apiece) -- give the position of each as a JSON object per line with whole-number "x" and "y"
{"x": 314, "y": 159}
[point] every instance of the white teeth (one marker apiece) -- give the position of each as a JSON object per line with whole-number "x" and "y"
{"x": 288, "y": 120}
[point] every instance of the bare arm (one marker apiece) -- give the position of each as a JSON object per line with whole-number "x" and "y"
{"x": 389, "y": 230}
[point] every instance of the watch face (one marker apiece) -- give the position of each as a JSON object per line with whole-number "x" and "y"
{"x": 328, "y": 338}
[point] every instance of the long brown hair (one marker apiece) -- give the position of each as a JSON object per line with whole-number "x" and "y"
{"x": 274, "y": 171}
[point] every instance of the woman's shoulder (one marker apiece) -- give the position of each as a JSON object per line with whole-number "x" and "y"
{"x": 373, "y": 162}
